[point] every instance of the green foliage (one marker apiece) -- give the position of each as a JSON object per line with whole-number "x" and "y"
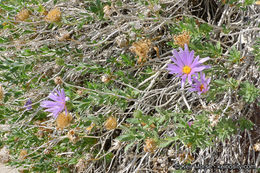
{"x": 234, "y": 55}
{"x": 249, "y": 92}
{"x": 221, "y": 86}
{"x": 97, "y": 8}
{"x": 245, "y": 124}
{"x": 256, "y": 52}
{"x": 225, "y": 128}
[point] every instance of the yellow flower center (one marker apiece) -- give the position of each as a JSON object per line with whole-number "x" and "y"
{"x": 186, "y": 69}
{"x": 201, "y": 87}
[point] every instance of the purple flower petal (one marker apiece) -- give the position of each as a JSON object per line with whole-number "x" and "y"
{"x": 189, "y": 79}
{"x": 28, "y": 105}
{"x": 197, "y": 69}
{"x": 57, "y": 105}
{"x": 174, "y": 68}
{"x": 204, "y": 60}
{"x": 202, "y": 85}
{"x": 185, "y": 58}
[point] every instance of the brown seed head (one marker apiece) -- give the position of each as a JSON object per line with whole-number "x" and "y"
{"x": 63, "y": 120}
{"x": 22, "y": 15}
{"x": 150, "y": 145}
{"x": 141, "y": 49}
{"x": 182, "y": 39}
{"x": 58, "y": 80}
{"x": 54, "y": 15}
{"x": 111, "y": 123}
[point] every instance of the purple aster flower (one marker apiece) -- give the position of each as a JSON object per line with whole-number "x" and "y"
{"x": 28, "y": 105}
{"x": 185, "y": 65}
{"x": 190, "y": 123}
{"x": 202, "y": 85}
{"x": 57, "y": 105}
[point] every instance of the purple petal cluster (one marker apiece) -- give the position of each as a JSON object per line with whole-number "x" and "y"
{"x": 28, "y": 105}
{"x": 190, "y": 123}
{"x": 185, "y": 65}
{"x": 57, "y": 105}
{"x": 202, "y": 85}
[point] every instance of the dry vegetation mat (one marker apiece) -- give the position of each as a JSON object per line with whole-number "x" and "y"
{"x": 130, "y": 85}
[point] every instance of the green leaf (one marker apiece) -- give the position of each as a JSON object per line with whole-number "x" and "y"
{"x": 138, "y": 114}
{"x": 126, "y": 137}
{"x": 128, "y": 146}
{"x": 165, "y": 142}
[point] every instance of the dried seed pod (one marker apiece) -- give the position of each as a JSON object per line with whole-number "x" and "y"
{"x": 23, "y": 15}
{"x": 107, "y": 10}
{"x": 23, "y": 154}
{"x": 58, "y": 80}
{"x": 150, "y": 145}
{"x": 121, "y": 41}
{"x": 4, "y": 155}
{"x": 137, "y": 25}
{"x": 73, "y": 137}
{"x": 214, "y": 119}
{"x": 116, "y": 144}
{"x": 256, "y": 147}
{"x": 1, "y": 93}
{"x": 157, "y": 51}
{"x": 63, "y": 120}
{"x": 182, "y": 39}
{"x": 64, "y": 35}
{"x": 156, "y": 7}
{"x": 111, "y": 123}
{"x": 171, "y": 152}
{"x": 105, "y": 78}
{"x": 141, "y": 49}
{"x": 40, "y": 133}
{"x": 54, "y": 15}
{"x": 81, "y": 165}
{"x": 80, "y": 92}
